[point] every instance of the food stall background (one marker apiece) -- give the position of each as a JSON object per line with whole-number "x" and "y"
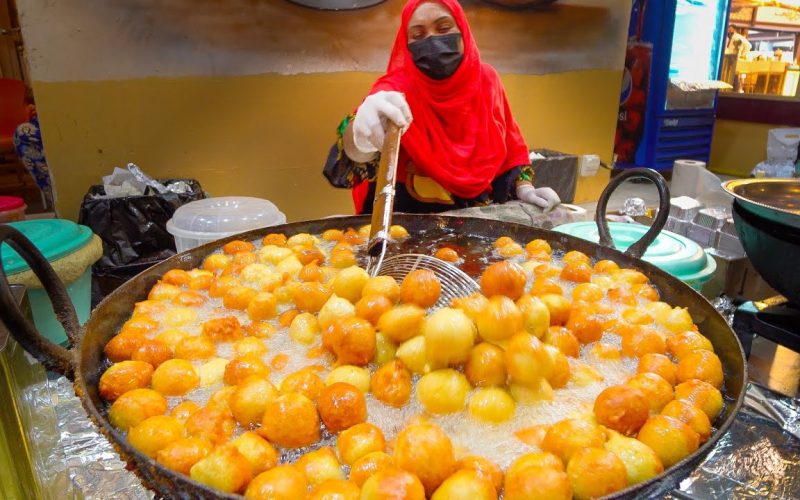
{"x": 245, "y": 95}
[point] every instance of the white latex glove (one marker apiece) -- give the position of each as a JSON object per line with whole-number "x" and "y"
{"x": 543, "y": 197}
{"x": 369, "y": 126}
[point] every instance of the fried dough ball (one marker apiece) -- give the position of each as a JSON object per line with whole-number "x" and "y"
{"x": 500, "y": 319}
{"x": 491, "y": 404}
{"x": 637, "y": 316}
{"x": 701, "y": 394}
{"x": 372, "y": 307}
{"x": 503, "y": 241}
{"x": 420, "y": 287}
{"x": 535, "y": 315}
{"x": 311, "y": 296}
{"x": 335, "y": 489}
{"x": 641, "y": 462}
{"x": 333, "y": 235}
{"x": 304, "y": 381}
{"x": 179, "y": 316}
{"x": 311, "y": 272}
{"x": 682, "y": 344}
{"x": 236, "y": 246}
{"x": 443, "y": 391}
{"x": 577, "y": 272}
{"x": 284, "y": 482}
{"x": 391, "y": 383}
{"x": 393, "y": 483}
{"x": 385, "y": 349}
{"x": 216, "y": 262}
{"x": 222, "y": 284}
{"x": 538, "y": 246}
{"x": 358, "y": 441}
{"x": 225, "y": 329}
{"x": 286, "y": 317}
{"x": 224, "y": 469}
{"x": 425, "y": 450}
{"x": 537, "y": 483}
{"x": 503, "y": 278}
{"x": 483, "y": 468}
{"x": 244, "y": 259}
{"x": 701, "y": 365}
{"x": 544, "y": 286}
{"x": 349, "y": 283}
{"x": 641, "y": 341}
{"x": 195, "y": 347}
{"x": 370, "y": 464}
{"x": 200, "y": 279}
{"x": 341, "y": 258}
{"x": 141, "y": 324}
{"x": 353, "y": 341}
{"x": 690, "y": 415}
{"x": 540, "y": 391}
{"x": 472, "y": 305}
{"x": 559, "y": 307}
{"x": 124, "y": 376}
{"x": 606, "y": 267}
{"x": 177, "y": 277}
{"x": 213, "y": 423}
{"x": 486, "y": 366}
{"x": 658, "y": 364}
{"x": 560, "y": 371}
{"x": 397, "y": 232}
{"x": 622, "y": 408}
{"x": 671, "y": 439}
{"x": 182, "y": 454}
{"x": 175, "y": 377}
{"x": 184, "y": 410}
{"x": 308, "y": 255}
{"x": 163, "y": 291}
{"x": 449, "y": 337}
{"x": 584, "y": 375}
{"x": 526, "y": 360}
{"x": 382, "y": 285}
{"x": 136, "y": 406}
{"x": 189, "y": 298}
{"x": 596, "y": 472}
{"x": 155, "y": 433}
{"x": 320, "y": 465}
{"x": 587, "y": 292}
{"x": 402, "y": 322}
{"x": 356, "y": 376}
{"x": 250, "y": 345}
{"x": 221, "y": 398}
{"x": 290, "y": 421}
{"x": 153, "y": 352}
{"x": 465, "y": 484}
{"x": 261, "y": 306}
{"x": 259, "y": 330}
{"x": 334, "y": 309}
{"x": 245, "y": 366}
{"x": 678, "y": 320}
{"x": 290, "y": 266}
{"x": 657, "y": 391}
{"x": 585, "y": 324}
{"x": 341, "y": 406}
{"x": 304, "y": 328}
{"x": 564, "y": 340}
{"x": 510, "y": 251}
{"x": 566, "y": 437}
{"x": 249, "y": 401}
{"x": 261, "y": 455}
{"x": 601, "y": 350}
{"x": 447, "y": 254}
{"x": 412, "y": 353}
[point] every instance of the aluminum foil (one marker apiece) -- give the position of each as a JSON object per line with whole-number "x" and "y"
{"x": 634, "y": 207}
{"x": 145, "y": 179}
{"x": 725, "y": 306}
{"x": 179, "y": 187}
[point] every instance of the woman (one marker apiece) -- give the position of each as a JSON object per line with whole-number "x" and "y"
{"x": 461, "y": 146}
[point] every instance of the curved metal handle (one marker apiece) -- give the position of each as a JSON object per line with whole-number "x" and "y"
{"x": 51, "y": 355}
{"x": 640, "y": 247}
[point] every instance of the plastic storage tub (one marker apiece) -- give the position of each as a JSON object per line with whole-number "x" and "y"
{"x": 675, "y": 254}
{"x": 71, "y": 250}
{"x": 202, "y": 221}
{"x": 12, "y": 208}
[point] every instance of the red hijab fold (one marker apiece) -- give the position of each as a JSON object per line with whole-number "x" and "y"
{"x": 463, "y": 134}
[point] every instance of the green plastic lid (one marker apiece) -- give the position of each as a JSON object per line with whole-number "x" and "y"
{"x": 55, "y": 238}
{"x": 675, "y": 254}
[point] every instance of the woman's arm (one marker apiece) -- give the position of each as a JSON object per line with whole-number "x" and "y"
{"x": 350, "y": 148}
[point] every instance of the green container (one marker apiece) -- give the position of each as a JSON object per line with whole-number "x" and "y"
{"x": 673, "y": 253}
{"x": 58, "y": 240}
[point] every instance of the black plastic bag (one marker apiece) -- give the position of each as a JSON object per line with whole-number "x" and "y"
{"x": 133, "y": 230}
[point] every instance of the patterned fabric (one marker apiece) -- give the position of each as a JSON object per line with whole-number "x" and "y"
{"x": 340, "y": 170}
{"x": 28, "y": 145}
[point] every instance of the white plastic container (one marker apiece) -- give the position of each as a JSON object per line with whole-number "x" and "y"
{"x": 202, "y": 221}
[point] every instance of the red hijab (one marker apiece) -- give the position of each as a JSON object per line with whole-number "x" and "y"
{"x": 463, "y": 134}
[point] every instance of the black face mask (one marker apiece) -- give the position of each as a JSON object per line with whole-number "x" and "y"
{"x": 437, "y": 56}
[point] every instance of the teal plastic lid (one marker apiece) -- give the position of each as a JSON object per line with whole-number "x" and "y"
{"x": 55, "y": 238}
{"x": 675, "y": 254}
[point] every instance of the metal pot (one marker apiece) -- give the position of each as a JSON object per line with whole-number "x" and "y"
{"x": 85, "y": 361}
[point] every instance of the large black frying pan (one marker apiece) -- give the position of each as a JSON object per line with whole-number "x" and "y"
{"x": 85, "y": 361}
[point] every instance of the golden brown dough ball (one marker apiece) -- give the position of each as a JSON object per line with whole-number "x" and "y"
{"x": 622, "y": 408}
{"x": 447, "y": 254}
{"x": 413, "y": 354}
{"x": 465, "y": 484}
{"x": 701, "y": 394}
{"x": 684, "y": 343}
{"x": 341, "y": 406}
{"x": 304, "y": 381}
{"x": 585, "y": 324}
{"x": 216, "y": 262}
{"x": 222, "y": 284}
{"x": 382, "y": 285}
{"x": 335, "y": 489}
{"x": 304, "y": 328}
{"x": 587, "y": 292}
{"x": 245, "y": 366}
{"x": 397, "y": 232}
{"x": 491, "y": 404}
{"x": 420, "y": 287}
{"x": 358, "y": 441}
{"x": 195, "y": 347}
{"x": 290, "y": 421}
{"x": 225, "y": 329}
{"x": 308, "y": 255}
{"x": 657, "y": 391}
{"x": 356, "y": 376}
{"x": 163, "y": 291}
{"x": 189, "y": 298}
{"x": 224, "y": 469}
{"x": 443, "y": 391}
{"x": 527, "y": 362}
{"x": 250, "y": 398}
{"x": 538, "y": 246}
{"x": 559, "y": 307}
{"x": 596, "y": 472}
{"x": 200, "y": 279}
{"x": 500, "y": 319}
{"x": 391, "y": 384}
{"x": 284, "y": 482}
{"x": 353, "y": 341}
{"x": 425, "y": 451}
{"x": 605, "y": 267}
{"x": 155, "y": 433}
{"x": 260, "y": 329}
{"x": 449, "y": 337}
{"x": 349, "y": 283}
{"x": 341, "y": 258}
{"x": 671, "y": 439}
{"x": 537, "y": 483}
{"x": 335, "y": 309}
{"x": 320, "y": 465}
{"x": 402, "y": 322}
{"x": 182, "y": 454}
{"x": 577, "y": 272}
{"x": 472, "y": 305}
{"x": 140, "y": 323}
{"x": 184, "y": 410}
{"x": 535, "y": 315}
{"x": 311, "y": 272}
{"x": 510, "y": 251}
{"x": 250, "y": 345}
{"x": 261, "y": 455}
{"x": 177, "y": 277}
{"x": 153, "y": 352}
{"x": 658, "y": 364}
{"x": 175, "y": 377}
{"x": 503, "y": 241}
{"x": 262, "y": 306}
{"x": 544, "y": 286}
{"x": 575, "y": 256}
{"x": 566, "y": 437}
{"x": 504, "y": 278}
{"x": 213, "y": 423}
{"x": 311, "y": 296}
{"x": 629, "y": 276}
{"x": 601, "y": 350}
{"x": 640, "y": 461}
{"x": 372, "y": 307}
{"x": 333, "y": 235}
{"x": 136, "y": 406}
{"x": 236, "y": 246}
{"x": 560, "y": 371}
{"x": 393, "y": 483}
{"x": 486, "y": 366}
{"x": 535, "y": 459}
{"x": 483, "y": 468}
{"x": 122, "y": 346}
{"x": 564, "y": 340}
{"x": 244, "y": 259}
{"x": 690, "y": 415}
{"x": 370, "y": 464}
{"x": 124, "y": 376}
{"x": 641, "y": 341}
{"x": 701, "y": 365}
